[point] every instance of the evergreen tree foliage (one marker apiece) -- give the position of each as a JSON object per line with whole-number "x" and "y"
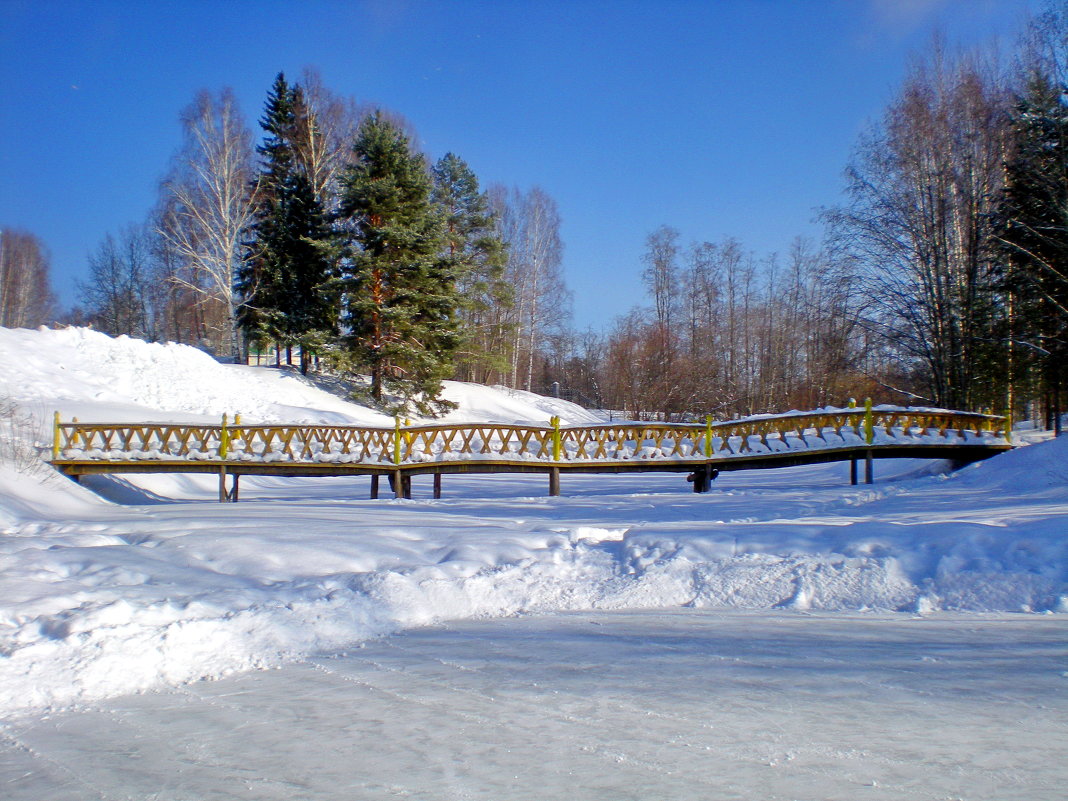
{"x": 400, "y": 294}
{"x": 1034, "y": 237}
{"x": 477, "y": 257}
{"x": 285, "y": 279}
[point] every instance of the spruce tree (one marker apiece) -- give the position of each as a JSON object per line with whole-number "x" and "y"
{"x": 477, "y": 258}
{"x": 1034, "y": 238}
{"x": 286, "y": 275}
{"x": 400, "y": 294}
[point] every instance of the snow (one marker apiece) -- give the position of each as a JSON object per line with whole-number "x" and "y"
{"x": 144, "y": 583}
{"x": 680, "y": 704}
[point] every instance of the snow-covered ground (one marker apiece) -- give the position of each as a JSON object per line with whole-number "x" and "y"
{"x": 141, "y": 583}
{"x": 687, "y": 705}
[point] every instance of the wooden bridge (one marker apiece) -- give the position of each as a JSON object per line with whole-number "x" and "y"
{"x": 233, "y": 449}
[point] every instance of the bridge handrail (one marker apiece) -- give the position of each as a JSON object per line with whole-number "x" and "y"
{"x": 452, "y": 442}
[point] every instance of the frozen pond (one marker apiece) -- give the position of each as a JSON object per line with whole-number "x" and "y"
{"x": 680, "y": 704}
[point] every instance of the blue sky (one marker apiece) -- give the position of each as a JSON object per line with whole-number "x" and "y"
{"x": 719, "y": 118}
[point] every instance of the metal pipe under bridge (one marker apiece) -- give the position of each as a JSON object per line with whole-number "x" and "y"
{"x": 233, "y": 449}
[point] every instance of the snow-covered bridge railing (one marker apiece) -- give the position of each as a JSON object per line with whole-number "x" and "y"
{"x": 762, "y": 441}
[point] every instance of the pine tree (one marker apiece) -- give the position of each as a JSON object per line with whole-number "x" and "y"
{"x": 400, "y": 294}
{"x": 1034, "y": 238}
{"x": 286, "y": 275}
{"x": 477, "y": 258}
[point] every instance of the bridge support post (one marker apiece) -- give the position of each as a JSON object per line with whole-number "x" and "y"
{"x": 374, "y": 486}
{"x": 222, "y": 485}
{"x": 701, "y": 479}
{"x": 853, "y": 472}
{"x": 401, "y": 484}
{"x": 227, "y": 496}
{"x": 437, "y": 486}
{"x": 554, "y": 481}
{"x": 869, "y": 468}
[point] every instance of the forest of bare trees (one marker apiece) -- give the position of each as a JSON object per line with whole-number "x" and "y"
{"x": 726, "y": 334}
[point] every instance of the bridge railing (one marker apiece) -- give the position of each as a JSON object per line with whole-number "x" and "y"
{"x": 401, "y": 445}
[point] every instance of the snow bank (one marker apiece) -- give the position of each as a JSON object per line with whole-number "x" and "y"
{"x": 479, "y": 404}
{"x": 101, "y": 598}
{"x": 84, "y": 373}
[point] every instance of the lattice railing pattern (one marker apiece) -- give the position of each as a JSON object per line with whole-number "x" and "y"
{"x": 614, "y": 442}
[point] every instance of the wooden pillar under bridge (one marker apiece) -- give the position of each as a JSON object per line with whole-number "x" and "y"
{"x": 374, "y": 486}
{"x": 554, "y": 481}
{"x": 437, "y": 486}
{"x": 227, "y": 496}
{"x": 869, "y": 468}
{"x": 401, "y": 484}
{"x": 853, "y": 472}
{"x": 699, "y": 477}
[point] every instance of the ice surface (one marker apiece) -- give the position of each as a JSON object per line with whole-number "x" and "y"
{"x": 685, "y": 704}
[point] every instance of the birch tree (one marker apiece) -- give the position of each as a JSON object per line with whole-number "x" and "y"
{"x": 326, "y": 130}
{"x": 207, "y": 204}
{"x": 26, "y": 297}
{"x": 529, "y": 224}
{"x": 923, "y": 190}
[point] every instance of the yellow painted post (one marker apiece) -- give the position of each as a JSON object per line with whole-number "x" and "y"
{"x": 55, "y": 436}
{"x": 224, "y": 439}
{"x": 554, "y": 473}
{"x": 852, "y": 404}
{"x": 1008, "y": 425}
{"x": 869, "y": 428}
{"x": 708, "y": 436}
{"x": 397, "y": 441}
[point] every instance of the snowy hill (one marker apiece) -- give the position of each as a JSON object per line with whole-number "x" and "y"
{"x": 158, "y": 585}
{"x": 86, "y": 374}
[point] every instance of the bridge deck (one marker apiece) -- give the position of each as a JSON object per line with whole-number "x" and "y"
{"x": 233, "y": 449}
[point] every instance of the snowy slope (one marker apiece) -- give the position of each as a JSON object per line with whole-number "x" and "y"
{"x": 98, "y": 598}
{"x": 85, "y": 374}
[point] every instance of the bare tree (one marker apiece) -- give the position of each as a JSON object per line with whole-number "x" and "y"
{"x": 26, "y": 297}
{"x": 122, "y": 295}
{"x": 661, "y": 272}
{"x": 326, "y": 129}
{"x": 207, "y": 204}
{"x": 529, "y": 224}
{"x": 923, "y": 189}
